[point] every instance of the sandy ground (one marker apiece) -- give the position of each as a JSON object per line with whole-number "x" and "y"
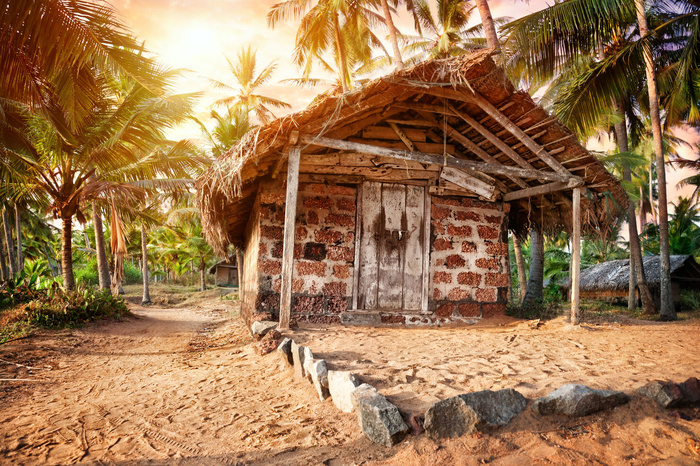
{"x": 184, "y": 386}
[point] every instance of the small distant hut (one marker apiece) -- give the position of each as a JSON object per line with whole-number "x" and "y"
{"x": 225, "y": 272}
{"x": 609, "y": 281}
{"x": 391, "y": 203}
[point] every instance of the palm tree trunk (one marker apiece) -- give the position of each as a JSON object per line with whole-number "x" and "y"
{"x": 18, "y": 234}
{"x": 9, "y": 243}
{"x": 342, "y": 59}
{"x": 67, "y": 254}
{"x": 3, "y": 263}
{"x": 668, "y": 312}
{"x": 654, "y": 217}
{"x": 536, "y": 280}
{"x": 488, "y": 25}
{"x": 392, "y": 34}
{"x": 202, "y": 277}
{"x": 520, "y": 263}
{"x": 102, "y": 265}
{"x": 146, "y": 299}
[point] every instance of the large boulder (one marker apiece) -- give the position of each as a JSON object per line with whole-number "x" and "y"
{"x": 308, "y": 360}
{"x": 341, "y": 384}
{"x": 284, "y": 350}
{"x": 576, "y": 400}
{"x": 479, "y": 411}
{"x": 319, "y": 377}
{"x": 380, "y": 420}
{"x": 260, "y": 328}
{"x": 298, "y": 357}
{"x": 672, "y": 395}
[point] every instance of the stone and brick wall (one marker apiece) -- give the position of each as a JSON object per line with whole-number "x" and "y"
{"x": 468, "y": 260}
{"x": 324, "y": 251}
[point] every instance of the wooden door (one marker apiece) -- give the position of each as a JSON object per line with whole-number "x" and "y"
{"x": 391, "y": 247}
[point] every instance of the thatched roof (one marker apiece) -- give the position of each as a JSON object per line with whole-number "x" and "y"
{"x": 422, "y": 93}
{"x": 615, "y": 275}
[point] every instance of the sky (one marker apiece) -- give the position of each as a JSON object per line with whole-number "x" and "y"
{"x": 197, "y": 35}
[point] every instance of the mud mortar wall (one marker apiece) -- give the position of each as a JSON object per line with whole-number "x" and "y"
{"x": 469, "y": 273}
{"x": 324, "y": 251}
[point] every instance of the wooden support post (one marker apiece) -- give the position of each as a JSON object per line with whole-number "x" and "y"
{"x": 239, "y": 266}
{"x": 290, "y": 214}
{"x": 575, "y": 273}
{"x": 425, "y": 293}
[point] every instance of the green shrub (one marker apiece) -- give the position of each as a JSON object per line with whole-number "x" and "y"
{"x": 132, "y": 274}
{"x": 56, "y": 308}
{"x": 86, "y": 275}
{"x": 690, "y": 300}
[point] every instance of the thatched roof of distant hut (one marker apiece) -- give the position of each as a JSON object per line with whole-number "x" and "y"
{"x": 615, "y": 275}
{"x": 426, "y": 91}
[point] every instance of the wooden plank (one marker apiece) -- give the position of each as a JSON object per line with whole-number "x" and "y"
{"x": 445, "y": 191}
{"x": 239, "y": 267}
{"x": 382, "y": 132}
{"x": 419, "y": 123}
{"x": 425, "y": 288}
{"x": 413, "y": 262}
{"x": 432, "y": 108}
{"x": 465, "y": 181}
{"x": 404, "y": 137}
{"x": 389, "y": 172}
{"x": 429, "y": 147}
{"x": 392, "y": 247}
{"x": 290, "y": 214}
{"x": 371, "y": 229}
{"x": 536, "y": 191}
{"x": 332, "y": 179}
{"x": 436, "y": 159}
{"x": 576, "y": 259}
{"x": 356, "y": 260}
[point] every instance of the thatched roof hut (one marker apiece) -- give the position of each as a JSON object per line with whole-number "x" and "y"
{"x": 457, "y": 89}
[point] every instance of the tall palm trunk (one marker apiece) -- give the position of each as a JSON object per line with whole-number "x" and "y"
{"x": 102, "y": 264}
{"x": 342, "y": 59}
{"x": 392, "y": 35}
{"x": 488, "y": 25}
{"x": 3, "y": 263}
{"x": 67, "y": 254}
{"x": 202, "y": 276}
{"x": 536, "y": 280}
{"x": 9, "y": 243}
{"x": 146, "y": 299}
{"x": 668, "y": 312}
{"x": 520, "y": 263}
{"x": 18, "y": 234}
{"x": 637, "y": 274}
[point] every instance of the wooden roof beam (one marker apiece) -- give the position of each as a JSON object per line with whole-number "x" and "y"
{"x": 540, "y": 190}
{"x": 435, "y": 159}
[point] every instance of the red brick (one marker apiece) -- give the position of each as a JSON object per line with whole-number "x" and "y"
{"x": 493, "y": 219}
{"x": 271, "y": 232}
{"x": 487, "y": 232}
{"x": 445, "y": 200}
{"x": 335, "y": 289}
{"x": 442, "y": 244}
{"x": 265, "y": 212}
{"x": 316, "y": 188}
{"x": 323, "y": 319}
{"x": 438, "y": 229}
{"x": 462, "y": 215}
{"x": 506, "y": 208}
{"x": 437, "y": 294}
{"x": 342, "y": 190}
{"x": 497, "y": 249}
{"x": 455, "y": 261}
{"x": 278, "y": 250}
{"x": 468, "y": 310}
{"x": 300, "y": 233}
{"x": 497, "y": 279}
{"x": 340, "y": 220}
{"x": 442, "y": 277}
{"x": 350, "y": 237}
{"x": 458, "y": 294}
{"x": 491, "y": 264}
{"x": 439, "y": 213}
{"x": 318, "y": 202}
{"x": 485, "y": 295}
{"x": 468, "y": 246}
{"x": 336, "y": 305}
{"x": 273, "y": 197}
{"x": 328, "y": 236}
{"x": 341, "y": 253}
{"x": 469, "y": 278}
{"x": 345, "y": 204}
{"x": 262, "y": 249}
{"x": 464, "y": 230}
{"x": 393, "y": 319}
{"x": 297, "y": 285}
{"x": 317, "y": 269}
{"x": 270, "y": 267}
{"x": 341, "y": 271}
{"x": 445, "y": 310}
{"x": 493, "y": 310}
{"x": 312, "y": 218}
{"x": 307, "y": 304}
{"x": 315, "y": 251}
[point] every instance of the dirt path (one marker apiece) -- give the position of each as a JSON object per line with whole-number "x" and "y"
{"x": 168, "y": 386}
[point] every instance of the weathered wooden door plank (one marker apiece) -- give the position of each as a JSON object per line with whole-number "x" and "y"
{"x": 290, "y": 214}
{"x": 371, "y": 226}
{"x": 413, "y": 262}
{"x": 392, "y": 246}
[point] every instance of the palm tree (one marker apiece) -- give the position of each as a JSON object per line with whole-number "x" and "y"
{"x": 246, "y": 84}
{"x": 230, "y": 127}
{"x": 488, "y": 24}
{"x": 536, "y": 276}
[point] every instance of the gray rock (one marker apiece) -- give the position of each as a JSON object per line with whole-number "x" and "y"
{"x": 380, "y": 420}
{"x": 341, "y": 385}
{"x": 298, "y": 358}
{"x": 308, "y": 360}
{"x": 262, "y": 327}
{"x": 479, "y": 411}
{"x": 666, "y": 394}
{"x": 285, "y": 352}
{"x": 319, "y": 377}
{"x": 578, "y": 400}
